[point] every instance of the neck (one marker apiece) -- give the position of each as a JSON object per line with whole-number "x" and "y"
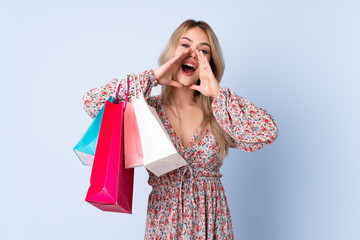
{"x": 183, "y": 97}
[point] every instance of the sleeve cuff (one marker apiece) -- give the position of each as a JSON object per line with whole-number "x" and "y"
{"x": 152, "y": 77}
{"x": 221, "y": 97}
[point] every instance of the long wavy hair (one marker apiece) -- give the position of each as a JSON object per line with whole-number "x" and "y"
{"x": 217, "y": 65}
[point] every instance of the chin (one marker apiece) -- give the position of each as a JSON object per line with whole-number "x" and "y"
{"x": 187, "y": 83}
{"x": 187, "y": 80}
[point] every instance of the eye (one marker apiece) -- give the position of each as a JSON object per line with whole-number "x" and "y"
{"x": 204, "y": 51}
{"x": 185, "y": 45}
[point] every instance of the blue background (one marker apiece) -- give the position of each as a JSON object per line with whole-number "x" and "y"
{"x": 300, "y": 60}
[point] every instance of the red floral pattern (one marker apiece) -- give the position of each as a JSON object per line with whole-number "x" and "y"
{"x": 190, "y": 202}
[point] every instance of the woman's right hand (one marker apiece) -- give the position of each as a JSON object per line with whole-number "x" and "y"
{"x": 165, "y": 72}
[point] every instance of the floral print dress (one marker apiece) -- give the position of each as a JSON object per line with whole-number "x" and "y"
{"x": 190, "y": 202}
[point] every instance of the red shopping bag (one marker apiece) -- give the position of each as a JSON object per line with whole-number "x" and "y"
{"x": 111, "y": 185}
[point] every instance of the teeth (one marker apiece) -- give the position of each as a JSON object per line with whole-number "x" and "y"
{"x": 190, "y": 65}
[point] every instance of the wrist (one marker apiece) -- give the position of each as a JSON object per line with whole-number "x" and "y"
{"x": 216, "y": 92}
{"x": 156, "y": 72}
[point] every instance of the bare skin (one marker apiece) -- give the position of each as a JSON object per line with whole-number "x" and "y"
{"x": 184, "y": 114}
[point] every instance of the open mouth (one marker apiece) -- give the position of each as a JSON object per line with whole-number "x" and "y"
{"x": 188, "y": 68}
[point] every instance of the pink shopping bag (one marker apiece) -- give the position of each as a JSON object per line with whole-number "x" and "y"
{"x": 111, "y": 185}
{"x": 132, "y": 142}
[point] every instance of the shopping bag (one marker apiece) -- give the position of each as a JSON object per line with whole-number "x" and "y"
{"x": 85, "y": 148}
{"x": 132, "y": 142}
{"x": 159, "y": 153}
{"x": 111, "y": 185}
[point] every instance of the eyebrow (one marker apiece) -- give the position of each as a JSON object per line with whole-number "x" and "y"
{"x": 203, "y": 43}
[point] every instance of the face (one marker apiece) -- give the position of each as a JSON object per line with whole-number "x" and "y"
{"x": 196, "y": 39}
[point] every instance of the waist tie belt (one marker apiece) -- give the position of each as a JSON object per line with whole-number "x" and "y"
{"x": 188, "y": 174}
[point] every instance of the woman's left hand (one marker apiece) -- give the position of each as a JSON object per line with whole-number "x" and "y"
{"x": 209, "y": 86}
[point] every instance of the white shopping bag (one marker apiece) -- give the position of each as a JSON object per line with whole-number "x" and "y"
{"x": 159, "y": 153}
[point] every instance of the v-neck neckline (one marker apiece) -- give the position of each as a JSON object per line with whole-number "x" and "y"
{"x": 175, "y": 134}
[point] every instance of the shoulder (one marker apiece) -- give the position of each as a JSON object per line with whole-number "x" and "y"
{"x": 154, "y": 101}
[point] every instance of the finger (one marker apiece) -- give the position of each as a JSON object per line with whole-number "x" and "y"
{"x": 176, "y": 84}
{"x": 195, "y": 87}
{"x": 177, "y": 59}
{"x": 199, "y": 60}
{"x": 204, "y": 60}
{"x": 183, "y": 55}
{"x": 197, "y": 52}
{"x": 199, "y": 56}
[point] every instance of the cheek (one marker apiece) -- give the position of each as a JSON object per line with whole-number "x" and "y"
{"x": 177, "y": 52}
{"x": 208, "y": 57}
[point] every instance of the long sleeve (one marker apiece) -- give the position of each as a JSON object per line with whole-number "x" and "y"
{"x": 250, "y": 127}
{"x": 95, "y": 98}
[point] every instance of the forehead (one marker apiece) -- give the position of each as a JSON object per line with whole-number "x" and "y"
{"x": 197, "y": 34}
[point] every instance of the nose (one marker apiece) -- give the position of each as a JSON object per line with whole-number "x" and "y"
{"x": 193, "y": 54}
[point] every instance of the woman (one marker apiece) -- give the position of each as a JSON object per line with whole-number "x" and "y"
{"x": 203, "y": 120}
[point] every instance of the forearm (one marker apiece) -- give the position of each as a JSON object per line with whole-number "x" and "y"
{"x": 95, "y": 98}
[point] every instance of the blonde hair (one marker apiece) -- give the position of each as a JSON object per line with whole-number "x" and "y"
{"x": 217, "y": 65}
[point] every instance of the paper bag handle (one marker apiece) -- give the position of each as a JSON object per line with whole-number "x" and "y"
{"x": 127, "y": 91}
{"x": 138, "y": 85}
